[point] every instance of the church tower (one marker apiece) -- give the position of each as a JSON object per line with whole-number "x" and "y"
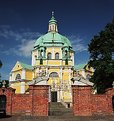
{"x": 54, "y": 56}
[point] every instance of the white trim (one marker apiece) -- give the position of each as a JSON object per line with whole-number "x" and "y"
{"x": 22, "y": 87}
{"x": 23, "y": 74}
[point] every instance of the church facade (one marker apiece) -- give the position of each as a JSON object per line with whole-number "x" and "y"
{"x": 52, "y": 64}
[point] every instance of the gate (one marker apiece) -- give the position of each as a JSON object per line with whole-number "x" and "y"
{"x": 3, "y": 104}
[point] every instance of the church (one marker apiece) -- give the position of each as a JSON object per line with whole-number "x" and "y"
{"x": 52, "y": 64}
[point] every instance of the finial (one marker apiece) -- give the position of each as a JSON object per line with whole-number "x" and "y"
{"x": 52, "y": 13}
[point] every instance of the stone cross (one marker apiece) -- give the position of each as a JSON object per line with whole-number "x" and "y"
{"x": 4, "y": 83}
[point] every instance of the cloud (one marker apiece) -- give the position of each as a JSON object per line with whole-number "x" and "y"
{"x": 25, "y": 48}
{"x": 78, "y": 43}
{"x": 7, "y": 33}
{"x": 24, "y": 38}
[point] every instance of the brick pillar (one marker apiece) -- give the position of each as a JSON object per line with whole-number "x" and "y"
{"x": 110, "y": 94}
{"x": 39, "y": 99}
{"x": 81, "y": 100}
{"x": 8, "y": 92}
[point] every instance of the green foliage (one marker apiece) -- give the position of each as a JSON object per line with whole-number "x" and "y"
{"x": 101, "y": 50}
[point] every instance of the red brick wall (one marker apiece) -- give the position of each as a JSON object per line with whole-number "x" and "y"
{"x": 40, "y": 100}
{"x": 9, "y": 94}
{"x": 81, "y": 100}
{"x": 22, "y": 103}
{"x": 100, "y": 104}
{"x": 35, "y": 103}
{"x": 85, "y": 103}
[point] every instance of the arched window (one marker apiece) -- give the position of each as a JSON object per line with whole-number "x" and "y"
{"x": 49, "y": 55}
{"x": 57, "y": 56}
{"x": 54, "y": 74}
{"x": 41, "y": 53}
{"x": 18, "y": 76}
{"x": 66, "y": 53}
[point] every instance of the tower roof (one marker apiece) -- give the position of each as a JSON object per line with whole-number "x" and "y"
{"x": 52, "y": 20}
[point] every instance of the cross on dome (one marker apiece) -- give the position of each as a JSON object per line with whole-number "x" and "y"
{"x": 52, "y": 13}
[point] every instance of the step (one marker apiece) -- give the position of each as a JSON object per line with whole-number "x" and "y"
{"x": 57, "y": 109}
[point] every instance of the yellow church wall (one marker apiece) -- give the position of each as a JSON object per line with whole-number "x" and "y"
{"x": 66, "y": 75}
{"x": 54, "y": 62}
{"x": 56, "y": 81}
{"x": 70, "y": 63}
{"x": 28, "y": 75}
{"x": 49, "y": 49}
{"x": 17, "y": 86}
{"x": 66, "y": 96}
{"x": 38, "y": 62}
{"x": 54, "y": 70}
{"x": 26, "y": 87}
{"x": 55, "y": 50}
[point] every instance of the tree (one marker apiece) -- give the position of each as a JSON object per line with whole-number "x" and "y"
{"x": 101, "y": 50}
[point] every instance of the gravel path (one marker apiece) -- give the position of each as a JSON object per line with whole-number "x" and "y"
{"x": 57, "y": 118}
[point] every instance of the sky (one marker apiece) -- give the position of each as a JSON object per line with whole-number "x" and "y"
{"x": 23, "y": 21}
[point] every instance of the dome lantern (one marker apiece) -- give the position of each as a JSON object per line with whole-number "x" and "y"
{"x": 52, "y": 24}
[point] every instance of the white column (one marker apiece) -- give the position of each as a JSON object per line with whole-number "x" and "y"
{"x": 61, "y": 80}
{"x": 83, "y": 73}
{"x": 60, "y": 57}
{"x": 69, "y": 71}
{"x": 13, "y": 77}
{"x": 10, "y": 78}
{"x": 33, "y": 74}
{"x": 46, "y": 71}
{"x": 69, "y": 85}
{"x": 33, "y": 59}
{"x": 22, "y": 87}
{"x": 73, "y": 58}
{"x": 23, "y": 74}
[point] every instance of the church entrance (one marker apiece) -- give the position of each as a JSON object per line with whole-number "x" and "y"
{"x": 54, "y": 96}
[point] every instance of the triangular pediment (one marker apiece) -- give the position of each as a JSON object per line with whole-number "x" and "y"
{"x": 17, "y": 66}
{"x": 82, "y": 81}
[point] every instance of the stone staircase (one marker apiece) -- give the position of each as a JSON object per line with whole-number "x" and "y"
{"x": 57, "y": 109}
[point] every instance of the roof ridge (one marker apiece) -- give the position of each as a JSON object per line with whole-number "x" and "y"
{"x": 26, "y": 66}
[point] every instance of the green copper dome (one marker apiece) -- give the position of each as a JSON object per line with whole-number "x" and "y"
{"x": 52, "y": 39}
